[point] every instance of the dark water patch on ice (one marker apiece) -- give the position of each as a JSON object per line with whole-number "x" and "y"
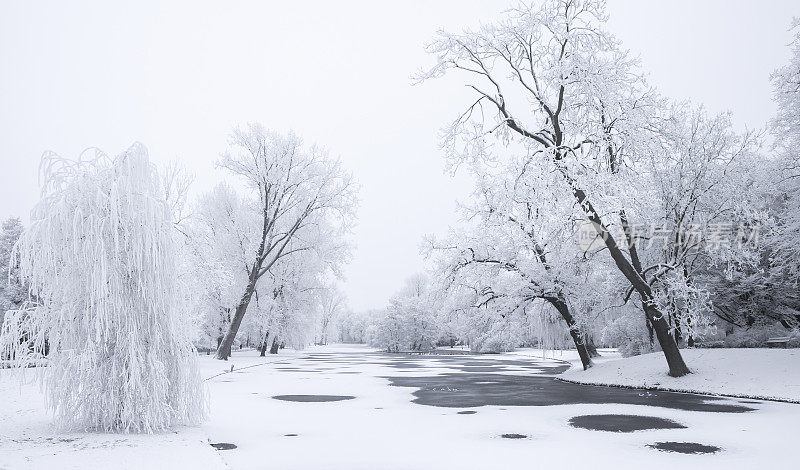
{"x": 684, "y": 447}
{"x": 513, "y": 436}
{"x": 467, "y": 412}
{"x": 290, "y": 435}
{"x": 466, "y": 390}
{"x": 622, "y": 423}
{"x": 313, "y": 398}
{"x": 223, "y": 446}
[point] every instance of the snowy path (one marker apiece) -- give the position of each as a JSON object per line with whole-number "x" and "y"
{"x": 426, "y": 420}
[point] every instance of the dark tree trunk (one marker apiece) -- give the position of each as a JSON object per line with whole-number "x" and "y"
{"x": 677, "y": 367}
{"x": 224, "y": 350}
{"x": 678, "y": 336}
{"x": 256, "y": 271}
{"x": 264, "y": 345}
{"x": 560, "y": 304}
{"x": 275, "y": 346}
{"x": 590, "y": 347}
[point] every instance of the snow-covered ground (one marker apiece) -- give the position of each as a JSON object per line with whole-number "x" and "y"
{"x": 381, "y": 428}
{"x": 756, "y": 373}
{"x": 28, "y": 439}
{"x": 569, "y": 355}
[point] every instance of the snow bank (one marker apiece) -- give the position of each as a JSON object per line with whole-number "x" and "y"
{"x": 752, "y": 373}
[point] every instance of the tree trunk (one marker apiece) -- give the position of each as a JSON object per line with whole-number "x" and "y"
{"x": 275, "y": 346}
{"x": 264, "y": 345}
{"x": 678, "y": 337}
{"x": 560, "y": 304}
{"x": 677, "y": 367}
{"x": 590, "y": 347}
{"x": 224, "y": 350}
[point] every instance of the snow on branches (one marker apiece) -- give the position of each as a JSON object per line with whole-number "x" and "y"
{"x": 298, "y": 209}
{"x": 101, "y": 259}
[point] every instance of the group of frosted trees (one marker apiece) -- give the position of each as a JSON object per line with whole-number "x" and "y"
{"x": 270, "y": 253}
{"x": 602, "y": 212}
{"x": 119, "y": 277}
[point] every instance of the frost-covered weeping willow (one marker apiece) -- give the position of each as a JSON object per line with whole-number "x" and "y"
{"x": 101, "y": 261}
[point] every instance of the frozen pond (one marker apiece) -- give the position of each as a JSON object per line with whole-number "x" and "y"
{"x": 471, "y": 411}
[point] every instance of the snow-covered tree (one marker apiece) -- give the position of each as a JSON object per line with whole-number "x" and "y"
{"x": 785, "y": 240}
{"x": 754, "y": 275}
{"x": 410, "y": 322}
{"x": 288, "y": 305}
{"x": 292, "y": 189}
{"x": 702, "y": 172}
{"x": 100, "y": 256}
{"x": 286, "y": 302}
{"x": 756, "y": 284}
{"x": 513, "y": 251}
{"x": 552, "y": 81}
{"x": 216, "y": 256}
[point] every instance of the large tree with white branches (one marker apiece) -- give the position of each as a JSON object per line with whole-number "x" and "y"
{"x": 551, "y": 80}
{"x": 292, "y": 189}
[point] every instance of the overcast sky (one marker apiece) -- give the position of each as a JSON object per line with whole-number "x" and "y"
{"x": 178, "y": 76}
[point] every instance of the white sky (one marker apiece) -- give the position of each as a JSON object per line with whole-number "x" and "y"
{"x": 178, "y": 76}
